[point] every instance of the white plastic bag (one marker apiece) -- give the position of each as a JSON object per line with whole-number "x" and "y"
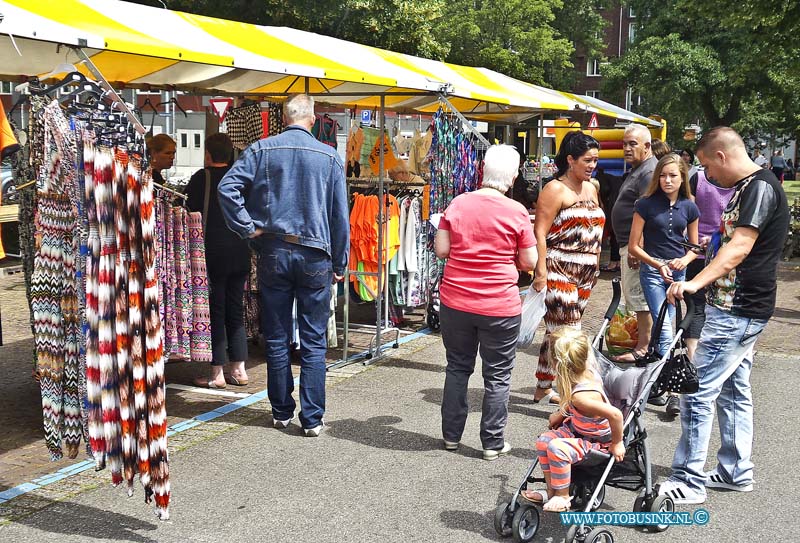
{"x": 533, "y": 309}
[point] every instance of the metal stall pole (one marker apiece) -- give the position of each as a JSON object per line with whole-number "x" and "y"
{"x": 378, "y": 298}
{"x": 541, "y": 149}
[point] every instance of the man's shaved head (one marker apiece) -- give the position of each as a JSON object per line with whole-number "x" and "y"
{"x": 721, "y": 138}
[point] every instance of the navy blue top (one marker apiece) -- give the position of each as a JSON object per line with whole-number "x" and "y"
{"x": 665, "y": 224}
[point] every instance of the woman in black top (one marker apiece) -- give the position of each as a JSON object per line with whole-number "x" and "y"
{"x": 228, "y": 266}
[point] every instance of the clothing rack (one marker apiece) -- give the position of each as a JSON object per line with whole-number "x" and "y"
{"x": 483, "y": 142}
{"x": 376, "y": 349}
{"x": 110, "y": 92}
{"x": 171, "y": 191}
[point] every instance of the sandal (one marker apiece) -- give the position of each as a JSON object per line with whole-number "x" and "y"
{"x": 233, "y": 380}
{"x": 558, "y": 504}
{"x": 549, "y": 398}
{"x": 607, "y": 268}
{"x": 202, "y": 382}
{"x": 531, "y": 496}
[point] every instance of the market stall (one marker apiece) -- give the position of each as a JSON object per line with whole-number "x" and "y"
{"x": 117, "y": 45}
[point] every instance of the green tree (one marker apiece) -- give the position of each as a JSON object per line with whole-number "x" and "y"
{"x": 532, "y": 40}
{"x": 405, "y": 26}
{"x": 690, "y": 68}
{"x": 514, "y": 37}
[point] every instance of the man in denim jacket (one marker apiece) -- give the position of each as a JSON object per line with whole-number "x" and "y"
{"x": 287, "y": 194}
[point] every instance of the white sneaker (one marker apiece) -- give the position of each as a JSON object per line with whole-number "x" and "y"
{"x": 315, "y": 431}
{"x": 450, "y": 445}
{"x": 282, "y": 424}
{"x": 494, "y": 454}
{"x": 715, "y": 480}
{"x": 680, "y": 493}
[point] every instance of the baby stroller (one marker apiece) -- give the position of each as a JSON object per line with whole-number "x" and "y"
{"x": 627, "y": 390}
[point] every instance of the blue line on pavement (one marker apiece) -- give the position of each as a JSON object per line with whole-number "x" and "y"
{"x": 85, "y": 465}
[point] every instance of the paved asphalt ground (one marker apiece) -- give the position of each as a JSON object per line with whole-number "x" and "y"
{"x": 379, "y": 472}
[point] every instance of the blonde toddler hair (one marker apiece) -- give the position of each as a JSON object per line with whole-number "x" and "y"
{"x": 572, "y": 352}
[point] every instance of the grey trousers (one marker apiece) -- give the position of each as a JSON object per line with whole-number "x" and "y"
{"x": 463, "y": 335}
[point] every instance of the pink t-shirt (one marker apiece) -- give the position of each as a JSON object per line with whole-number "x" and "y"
{"x": 486, "y": 232}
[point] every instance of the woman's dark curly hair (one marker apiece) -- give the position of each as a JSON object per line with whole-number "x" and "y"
{"x": 574, "y": 144}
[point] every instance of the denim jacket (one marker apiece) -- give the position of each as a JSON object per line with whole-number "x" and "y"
{"x": 290, "y": 184}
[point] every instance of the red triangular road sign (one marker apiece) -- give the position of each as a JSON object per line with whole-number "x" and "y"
{"x": 593, "y": 121}
{"x": 221, "y": 106}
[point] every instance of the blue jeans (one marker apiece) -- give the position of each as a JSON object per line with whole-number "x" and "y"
{"x": 655, "y": 292}
{"x": 287, "y": 272}
{"x": 724, "y": 358}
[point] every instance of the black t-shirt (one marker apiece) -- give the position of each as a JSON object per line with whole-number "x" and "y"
{"x": 749, "y": 290}
{"x": 222, "y": 244}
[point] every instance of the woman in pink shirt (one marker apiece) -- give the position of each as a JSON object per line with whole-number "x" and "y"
{"x": 486, "y": 237}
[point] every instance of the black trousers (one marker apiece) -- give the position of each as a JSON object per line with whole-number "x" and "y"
{"x": 226, "y": 280}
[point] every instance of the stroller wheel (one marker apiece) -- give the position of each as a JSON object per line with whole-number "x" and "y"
{"x": 577, "y": 533}
{"x": 503, "y": 516}
{"x": 661, "y": 504}
{"x": 599, "y": 535}
{"x": 525, "y": 524}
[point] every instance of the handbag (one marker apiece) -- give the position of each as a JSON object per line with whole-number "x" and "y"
{"x": 679, "y": 374}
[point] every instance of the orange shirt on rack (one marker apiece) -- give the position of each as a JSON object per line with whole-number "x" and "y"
{"x": 8, "y": 146}
{"x": 364, "y": 239}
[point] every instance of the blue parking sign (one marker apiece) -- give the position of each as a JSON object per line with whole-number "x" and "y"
{"x": 366, "y": 116}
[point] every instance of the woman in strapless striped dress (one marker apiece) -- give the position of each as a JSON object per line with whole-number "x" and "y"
{"x": 569, "y": 230}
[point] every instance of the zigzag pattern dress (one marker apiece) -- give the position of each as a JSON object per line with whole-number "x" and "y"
{"x": 573, "y": 244}
{"x": 54, "y": 300}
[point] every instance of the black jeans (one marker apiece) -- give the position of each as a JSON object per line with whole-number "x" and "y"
{"x": 464, "y": 336}
{"x": 226, "y": 303}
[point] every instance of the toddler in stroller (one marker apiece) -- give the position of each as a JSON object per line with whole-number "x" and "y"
{"x": 589, "y": 465}
{"x": 585, "y": 421}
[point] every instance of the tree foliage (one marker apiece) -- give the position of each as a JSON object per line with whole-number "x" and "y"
{"x": 405, "y": 26}
{"x": 514, "y": 37}
{"x": 532, "y": 40}
{"x": 690, "y": 68}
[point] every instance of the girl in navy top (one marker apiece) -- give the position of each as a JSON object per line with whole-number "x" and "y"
{"x": 665, "y": 216}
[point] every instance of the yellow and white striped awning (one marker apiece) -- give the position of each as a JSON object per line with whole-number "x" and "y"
{"x": 144, "y": 47}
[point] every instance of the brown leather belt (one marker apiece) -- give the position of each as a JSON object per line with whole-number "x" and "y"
{"x": 288, "y": 238}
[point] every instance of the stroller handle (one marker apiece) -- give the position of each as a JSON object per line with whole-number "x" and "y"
{"x": 683, "y": 324}
{"x": 687, "y": 319}
{"x": 615, "y": 297}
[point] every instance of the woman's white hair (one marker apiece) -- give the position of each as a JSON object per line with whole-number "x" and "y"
{"x": 500, "y": 167}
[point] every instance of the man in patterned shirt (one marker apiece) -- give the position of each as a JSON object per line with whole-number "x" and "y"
{"x": 742, "y": 286}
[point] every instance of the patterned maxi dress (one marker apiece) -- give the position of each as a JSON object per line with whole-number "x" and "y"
{"x": 573, "y": 244}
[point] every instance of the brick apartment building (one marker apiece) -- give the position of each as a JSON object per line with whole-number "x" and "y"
{"x": 620, "y": 31}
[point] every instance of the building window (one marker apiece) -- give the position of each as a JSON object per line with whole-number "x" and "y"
{"x": 631, "y": 13}
{"x": 632, "y": 32}
{"x": 593, "y": 93}
{"x": 197, "y": 140}
{"x": 593, "y": 68}
{"x": 6, "y": 87}
{"x": 184, "y": 140}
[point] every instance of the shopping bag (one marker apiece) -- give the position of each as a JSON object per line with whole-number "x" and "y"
{"x": 533, "y": 309}
{"x": 622, "y": 333}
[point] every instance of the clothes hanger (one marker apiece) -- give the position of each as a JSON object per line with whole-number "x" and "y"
{"x": 174, "y": 100}
{"x": 147, "y": 102}
{"x": 69, "y": 79}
